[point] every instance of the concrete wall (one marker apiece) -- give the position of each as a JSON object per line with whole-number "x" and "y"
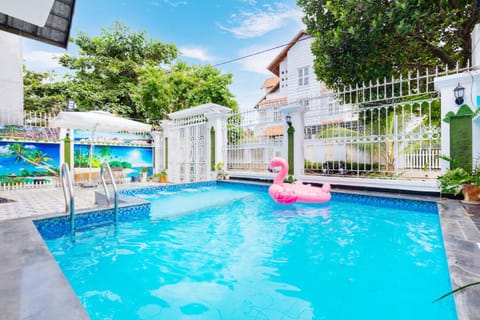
{"x": 11, "y": 79}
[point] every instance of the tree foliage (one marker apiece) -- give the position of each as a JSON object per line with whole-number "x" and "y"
{"x": 106, "y": 69}
{"x": 363, "y": 40}
{"x": 41, "y": 92}
{"x": 125, "y": 73}
{"x": 182, "y": 86}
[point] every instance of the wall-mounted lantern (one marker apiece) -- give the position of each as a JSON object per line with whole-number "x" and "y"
{"x": 288, "y": 119}
{"x": 459, "y": 92}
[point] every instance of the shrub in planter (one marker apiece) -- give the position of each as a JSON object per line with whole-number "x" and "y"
{"x": 459, "y": 180}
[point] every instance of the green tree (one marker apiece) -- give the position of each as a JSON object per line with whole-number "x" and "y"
{"x": 41, "y": 92}
{"x": 160, "y": 92}
{"x": 125, "y": 73}
{"x": 107, "y": 68}
{"x": 363, "y": 40}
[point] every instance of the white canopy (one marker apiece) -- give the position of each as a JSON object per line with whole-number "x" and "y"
{"x": 99, "y": 121}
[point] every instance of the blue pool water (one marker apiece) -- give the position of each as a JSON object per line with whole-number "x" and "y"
{"x": 224, "y": 252}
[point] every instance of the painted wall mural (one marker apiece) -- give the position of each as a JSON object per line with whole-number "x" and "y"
{"x": 25, "y": 162}
{"x": 112, "y": 138}
{"x": 29, "y": 132}
{"x": 131, "y": 160}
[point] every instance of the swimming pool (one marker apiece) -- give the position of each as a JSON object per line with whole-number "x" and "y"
{"x": 230, "y": 252}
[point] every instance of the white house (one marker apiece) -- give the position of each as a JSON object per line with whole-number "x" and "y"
{"x": 295, "y": 82}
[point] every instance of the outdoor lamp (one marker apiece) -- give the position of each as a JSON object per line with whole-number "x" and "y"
{"x": 68, "y": 133}
{"x": 458, "y": 92}
{"x": 288, "y": 118}
{"x": 70, "y": 104}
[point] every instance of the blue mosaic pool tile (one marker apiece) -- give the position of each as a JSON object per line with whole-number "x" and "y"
{"x": 385, "y": 202}
{"x": 53, "y": 228}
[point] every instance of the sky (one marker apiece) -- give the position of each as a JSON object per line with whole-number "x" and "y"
{"x": 205, "y": 32}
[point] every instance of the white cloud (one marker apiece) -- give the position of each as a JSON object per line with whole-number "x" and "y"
{"x": 196, "y": 53}
{"x": 175, "y": 3}
{"x": 258, "y": 63}
{"x": 255, "y": 23}
{"x": 41, "y": 59}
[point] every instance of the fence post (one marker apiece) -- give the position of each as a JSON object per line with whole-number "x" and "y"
{"x": 159, "y": 158}
{"x": 217, "y": 133}
{"x": 170, "y": 138}
{"x": 291, "y": 149}
{"x": 67, "y": 150}
{"x": 445, "y": 85}
{"x": 212, "y": 149}
{"x": 297, "y": 113}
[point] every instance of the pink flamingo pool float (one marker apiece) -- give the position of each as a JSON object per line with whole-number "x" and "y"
{"x": 288, "y": 193}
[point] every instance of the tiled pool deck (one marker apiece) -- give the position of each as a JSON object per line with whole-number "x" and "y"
{"x": 32, "y": 285}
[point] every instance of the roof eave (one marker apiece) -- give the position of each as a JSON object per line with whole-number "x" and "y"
{"x": 274, "y": 66}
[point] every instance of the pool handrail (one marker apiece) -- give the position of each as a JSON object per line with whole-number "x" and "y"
{"x": 106, "y": 167}
{"x": 69, "y": 198}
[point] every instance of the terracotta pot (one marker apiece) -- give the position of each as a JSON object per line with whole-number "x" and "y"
{"x": 163, "y": 179}
{"x": 471, "y": 193}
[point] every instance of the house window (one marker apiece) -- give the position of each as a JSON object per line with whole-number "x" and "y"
{"x": 303, "y": 102}
{"x": 330, "y": 108}
{"x": 303, "y": 76}
{"x": 277, "y": 115}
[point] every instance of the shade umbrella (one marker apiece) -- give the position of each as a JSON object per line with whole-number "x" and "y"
{"x": 97, "y": 121}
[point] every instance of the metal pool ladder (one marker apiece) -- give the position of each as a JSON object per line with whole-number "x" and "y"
{"x": 106, "y": 167}
{"x": 69, "y": 198}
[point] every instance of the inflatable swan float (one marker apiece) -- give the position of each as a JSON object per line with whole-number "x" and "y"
{"x": 288, "y": 193}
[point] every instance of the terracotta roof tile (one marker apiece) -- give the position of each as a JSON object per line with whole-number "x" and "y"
{"x": 274, "y": 100}
{"x": 270, "y": 82}
{"x": 273, "y": 131}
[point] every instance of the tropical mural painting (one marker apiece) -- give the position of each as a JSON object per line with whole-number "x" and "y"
{"x": 110, "y": 137}
{"x": 126, "y": 153}
{"x": 129, "y": 160}
{"x": 29, "y": 132}
{"x": 25, "y": 162}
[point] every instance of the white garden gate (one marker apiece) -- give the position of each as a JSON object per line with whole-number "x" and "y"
{"x": 190, "y": 139}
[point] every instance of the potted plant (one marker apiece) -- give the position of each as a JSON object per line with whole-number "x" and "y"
{"x": 221, "y": 174}
{"x": 159, "y": 177}
{"x": 459, "y": 180}
{"x": 163, "y": 176}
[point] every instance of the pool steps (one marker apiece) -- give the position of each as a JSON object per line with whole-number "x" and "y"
{"x": 67, "y": 187}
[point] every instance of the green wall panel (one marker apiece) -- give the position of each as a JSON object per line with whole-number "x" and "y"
{"x": 461, "y": 141}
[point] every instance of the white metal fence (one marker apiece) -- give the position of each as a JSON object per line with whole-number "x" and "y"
{"x": 389, "y": 128}
{"x": 254, "y": 138}
{"x": 27, "y": 118}
{"x": 385, "y": 139}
